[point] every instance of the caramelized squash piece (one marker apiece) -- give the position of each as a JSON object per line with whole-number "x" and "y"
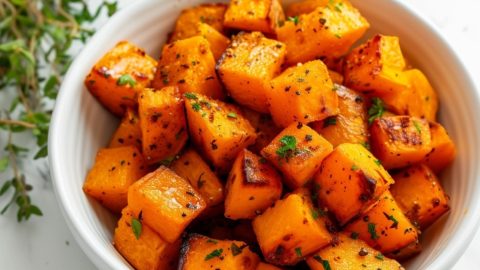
{"x": 148, "y": 251}
{"x": 218, "y": 42}
{"x": 264, "y": 127}
{"x": 201, "y": 252}
{"x": 190, "y": 65}
{"x": 118, "y": 76}
{"x": 443, "y": 149}
{"x": 247, "y": 66}
{"x": 191, "y": 167}
{"x": 112, "y": 174}
{"x": 252, "y": 186}
{"x": 218, "y": 129}
{"x": 297, "y": 152}
{"x": 347, "y": 253}
{"x": 291, "y": 230}
{"x": 400, "y": 141}
{"x": 384, "y": 227}
{"x": 303, "y": 93}
{"x": 128, "y": 132}
{"x": 162, "y": 122}
{"x": 350, "y": 181}
{"x": 350, "y": 125}
{"x": 420, "y": 195}
{"x": 254, "y": 15}
{"x": 166, "y": 202}
{"x": 327, "y": 31}
{"x": 187, "y": 21}
{"x": 377, "y": 67}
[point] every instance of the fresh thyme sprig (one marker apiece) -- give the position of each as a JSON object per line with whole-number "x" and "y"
{"x": 36, "y": 37}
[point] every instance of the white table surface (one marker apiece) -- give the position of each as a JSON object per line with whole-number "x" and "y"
{"x": 46, "y": 243}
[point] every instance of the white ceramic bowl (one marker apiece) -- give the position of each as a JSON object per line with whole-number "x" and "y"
{"x": 80, "y": 126}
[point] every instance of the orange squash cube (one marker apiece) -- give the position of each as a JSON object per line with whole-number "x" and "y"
{"x": 191, "y": 167}
{"x": 118, "y": 76}
{"x": 247, "y": 66}
{"x": 377, "y": 66}
{"x": 303, "y": 7}
{"x": 400, "y": 141}
{"x": 162, "y": 122}
{"x": 166, "y": 202}
{"x": 252, "y": 186}
{"x": 291, "y": 230}
{"x": 201, "y": 252}
{"x": 128, "y": 132}
{"x": 218, "y": 42}
{"x": 350, "y": 254}
{"x": 218, "y": 129}
{"x": 303, "y": 93}
{"x": 187, "y": 21}
{"x": 297, "y": 152}
{"x": 327, "y": 31}
{"x": 149, "y": 250}
{"x": 190, "y": 65}
{"x": 254, "y": 15}
{"x": 350, "y": 181}
{"x": 443, "y": 149}
{"x": 112, "y": 174}
{"x": 350, "y": 125}
{"x": 420, "y": 195}
{"x": 384, "y": 226}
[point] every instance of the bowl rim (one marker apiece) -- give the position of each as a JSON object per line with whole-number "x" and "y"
{"x": 88, "y": 242}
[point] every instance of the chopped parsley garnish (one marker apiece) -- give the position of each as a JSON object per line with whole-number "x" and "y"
{"x": 293, "y": 19}
{"x": 379, "y": 256}
{"x": 393, "y": 219}
{"x": 316, "y": 213}
{"x": 378, "y": 162}
{"x": 338, "y": 36}
{"x": 289, "y": 144}
{"x": 235, "y": 249}
{"x": 213, "y": 254}
{"x": 126, "y": 79}
{"x": 196, "y": 107}
{"x": 210, "y": 240}
{"x": 417, "y": 127}
{"x": 366, "y": 145}
{"x": 354, "y": 235}
{"x": 372, "y": 231}
{"x": 167, "y": 161}
{"x": 298, "y": 251}
{"x": 325, "y": 263}
{"x": 330, "y": 121}
{"x": 136, "y": 228}
{"x": 190, "y": 96}
{"x": 232, "y": 115}
{"x": 354, "y": 167}
{"x": 376, "y": 110}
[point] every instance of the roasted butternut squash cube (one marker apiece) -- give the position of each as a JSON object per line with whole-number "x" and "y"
{"x": 327, "y": 31}
{"x": 400, "y": 141}
{"x": 112, "y": 174}
{"x": 162, "y": 122}
{"x": 218, "y": 42}
{"x": 166, "y": 202}
{"x": 419, "y": 100}
{"x": 348, "y": 253}
{"x": 350, "y": 181}
{"x": 377, "y": 67}
{"x": 297, "y": 152}
{"x": 254, "y": 15}
{"x": 303, "y": 93}
{"x": 187, "y": 21}
{"x": 148, "y": 250}
{"x": 252, "y": 186}
{"x": 305, "y": 6}
{"x": 384, "y": 227}
{"x": 350, "y": 125}
{"x": 191, "y": 167}
{"x": 265, "y": 128}
{"x": 291, "y": 230}
{"x": 118, "y": 76}
{"x": 128, "y": 132}
{"x": 420, "y": 195}
{"x": 247, "y": 66}
{"x": 201, "y": 252}
{"x": 266, "y": 266}
{"x": 190, "y": 65}
{"x": 443, "y": 149}
{"x": 218, "y": 129}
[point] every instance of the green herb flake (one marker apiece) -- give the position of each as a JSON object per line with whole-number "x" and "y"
{"x": 126, "y": 79}
{"x": 354, "y": 235}
{"x": 210, "y": 240}
{"x": 317, "y": 213}
{"x": 366, "y": 145}
{"x": 325, "y": 263}
{"x": 376, "y": 110}
{"x": 213, "y": 254}
{"x": 298, "y": 251}
{"x": 338, "y": 36}
{"x": 196, "y": 107}
{"x": 136, "y": 227}
{"x": 167, "y": 161}
{"x": 236, "y": 250}
{"x": 379, "y": 256}
{"x": 330, "y": 121}
{"x": 417, "y": 127}
{"x": 190, "y": 96}
{"x": 378, "y": 162}
{"x": 372, "y": 231}
{"x": 393, "y": 219}
{"x": 289, "y": 144}
{"x": 293, "y": 19}
{"x": 354, "y": 167}
{"x": 232, "y": 115}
